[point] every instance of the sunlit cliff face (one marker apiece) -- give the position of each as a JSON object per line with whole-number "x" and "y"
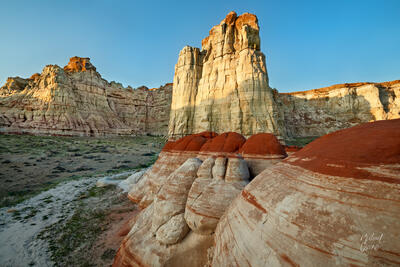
{"x": 78, "y": 64}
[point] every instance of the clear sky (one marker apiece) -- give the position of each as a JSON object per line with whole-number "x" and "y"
{"x": 308, "y": 44}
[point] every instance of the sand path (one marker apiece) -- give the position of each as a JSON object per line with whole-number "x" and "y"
{"x": 21, "y": 224}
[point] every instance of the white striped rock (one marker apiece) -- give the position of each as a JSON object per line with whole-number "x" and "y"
{"x": 336, "y": 202}
{"x": 210, "y": 196}
{"x": 171, "y": 199}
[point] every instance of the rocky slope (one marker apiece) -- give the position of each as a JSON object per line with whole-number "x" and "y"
{"x": 224, "y": 86}
{"x": 76, "y": 100}
{"x": 321, "y": 111}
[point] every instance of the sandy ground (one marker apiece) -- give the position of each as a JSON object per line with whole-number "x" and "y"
{"x": 29, "y": 164}
{"x": 52, "y": 213}
{"x": 21, "y": 226}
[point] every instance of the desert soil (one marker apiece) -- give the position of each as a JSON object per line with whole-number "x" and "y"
{"x": 52, "y": 213}
{"x": 30, "y": 164}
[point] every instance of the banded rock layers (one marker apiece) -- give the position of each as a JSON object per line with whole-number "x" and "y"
{"x": 321, "y": 111}
{"x": 336, "y": 202}
{"x": 77, "y": 101}
{"x": 224, "y": 86}
{"x": 184, "y": 195}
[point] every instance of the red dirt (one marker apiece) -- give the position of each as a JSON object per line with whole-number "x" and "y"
{"x": 292, "y": 148}
{"x": 189, "y": 143}
{"x": 226, "y": 142}
{"x": 263, "y": 144}
{"x": 169, "y": 146}
{"x": 365, "y": 145}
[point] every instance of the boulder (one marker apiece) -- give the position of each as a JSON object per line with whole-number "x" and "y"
{"x": 141, "y": 248}
{"x": 172, "y": 156}
{"x": 172, "y": 196}
{"x": 210, "y": 196}
{"x": 173, "y": 231}
{"x": 132, "y": 180}
{"x": 334, "y": 202}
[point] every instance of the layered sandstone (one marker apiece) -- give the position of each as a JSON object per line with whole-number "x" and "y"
{"x": 76, "y": 100}
{"x": 224, "y": 86}
{"x": 335, "y": 202}
{"x": 183, "y": 197}
{"x": 321, "y": 111}
{"x": 173, "y": 155}
{"x": 218, "y": 182}
{"x": 261, "y": 151}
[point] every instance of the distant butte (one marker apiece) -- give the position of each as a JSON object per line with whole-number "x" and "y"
{"x": 77, "y": 101}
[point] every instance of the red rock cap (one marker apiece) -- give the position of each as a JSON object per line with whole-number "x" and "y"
{"x": 366, "y": 151}
{"x": 189, "y": 143}
{"x": 263, "y": 144}
{"x": 79, "y": 64}
{"x": 227, "y": 142}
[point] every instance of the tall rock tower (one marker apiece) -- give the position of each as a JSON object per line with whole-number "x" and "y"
{"x": 224, "y": 87}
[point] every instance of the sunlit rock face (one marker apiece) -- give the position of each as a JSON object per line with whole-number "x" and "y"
{"x": 76, "y": 100}
{"x": 79, "y": 64}
{"x": 184, "y": 195}
{"x": 335, "y": 202}
{"x": 321, "y": 111}
{"x": 224, "y": 86}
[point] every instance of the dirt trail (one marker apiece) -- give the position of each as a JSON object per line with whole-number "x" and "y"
{"x": 21, "y": 224}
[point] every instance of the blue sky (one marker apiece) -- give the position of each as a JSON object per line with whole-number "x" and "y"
{"x": 308, "y": 44}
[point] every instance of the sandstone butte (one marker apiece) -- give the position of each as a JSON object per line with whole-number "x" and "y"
{"x": 224, "y": 87}
{"x": 76, "y": 100}
{"x": 185, "y": 193}
{"x": 205, "y": 204}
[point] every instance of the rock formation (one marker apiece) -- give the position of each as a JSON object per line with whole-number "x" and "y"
{"x": 224, "y": 87}
{"x": 77, "y": 101}
{"x": 173, "y": 155}
{"x": 335, "y": 202}
{"x": 321, "y": 111}
{"x": 211, "y": 193}
{"x": 261, "y": 151}
{"x": 184, "y": 195}
{"x": 319, "y": 206}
